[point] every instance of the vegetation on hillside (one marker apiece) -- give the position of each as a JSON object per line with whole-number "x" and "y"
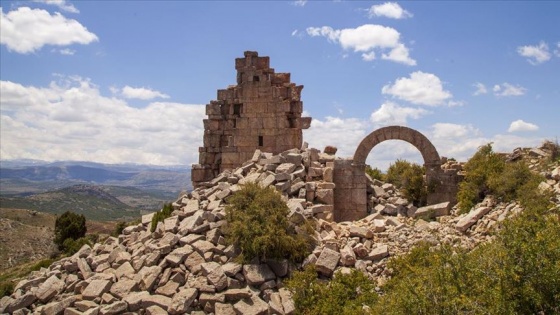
{"x": 259, "y": 227}
{"x": 517, "y": 273}
{"x": 70, "y": 231}
{"x": 161, "y": 215}
{"x": 409, "y": 177}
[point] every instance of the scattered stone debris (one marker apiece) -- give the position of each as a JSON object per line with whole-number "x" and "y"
{"x": 185, "y": 265}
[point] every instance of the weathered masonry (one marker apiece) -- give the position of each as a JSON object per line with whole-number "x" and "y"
{"x": 350, "y": 193}
{"x": 263, "y": 111}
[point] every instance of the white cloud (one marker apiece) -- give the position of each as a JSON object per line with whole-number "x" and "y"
{"x": 392, "y": 114}
{"x": 520, "y": 125}
{"x": 141, "y": 93}
{"x": 299, "y": 3}
{"x": 399, "y": 54}
{"x": 344, "y": 133}
{"x": 368, "y": 56}
{"x": 72, "y": 120}
{"x": 448, "y": 130}
{"x": 366, "y": 39}
{"x": 67, "y": 51}
{"x": 480, "y": 89}
{"x": 420, "y": 88}
{"x": 388, "y": 9}
{"x": 61, "y": 4}
{"x": 26, "y": 30}
{"x": 507, "y": 89}
{"x": 535, "y": 54}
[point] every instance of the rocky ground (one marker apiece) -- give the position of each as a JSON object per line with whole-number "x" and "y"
{"x": 185, "y": 266}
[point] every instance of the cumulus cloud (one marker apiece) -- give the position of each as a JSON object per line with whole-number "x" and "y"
{"x": 61, "y": 4}
{"x": 344, "y": 133}
{"x": 390, "y": 10}
{"x": 420, "y": 88}
{"x": 67, "y": 52}
{"x": 299, "y": 3}
{"x": 480, "y": 89}
{"x": 449, "y": 130}
{"x": 520, "y": 125}
{"x": 535, "y": 54}
{"x": 506, "y": 89}
{"x": 390, "y": 113}
{"x": 70, "y": 119}
{"x": 141, "y": 93}
{"x": 27, "y": 30}
{"x": 366, "y": 39}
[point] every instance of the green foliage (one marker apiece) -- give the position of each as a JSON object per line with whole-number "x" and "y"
{"x": 119, "y": 228}
{"x": 344, "y": 294}
{"x": 42, "y": 264}
{"x": 69, "y": 226}
{"x": 488, "y": 173}
{"x": 375, "y": 173}
{"x": 6, "y": 288}
{"x": 410, "y": 178}
{"x": 257, "y": 224}
{"x": 161, "y": 215}
{"x": 518, "y": 273}
{"x": 72, "y": 246}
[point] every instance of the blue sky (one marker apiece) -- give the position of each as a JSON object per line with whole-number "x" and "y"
{"x": 127, "y": 81}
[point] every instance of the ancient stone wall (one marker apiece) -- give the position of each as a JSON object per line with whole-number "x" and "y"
{"x": 350, "y": 179}
{"x": 263, "y": 111}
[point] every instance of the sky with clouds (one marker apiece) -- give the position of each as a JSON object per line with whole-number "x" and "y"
{"x": 127, "y": 81}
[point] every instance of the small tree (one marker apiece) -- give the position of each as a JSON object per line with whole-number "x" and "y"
{"x": 69, "y": 225}
{"x": 410, "y": 178}
{"x": 161, "y": 215}
{"x": 258, "y": 225}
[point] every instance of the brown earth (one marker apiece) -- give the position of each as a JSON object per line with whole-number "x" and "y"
{"x": 27, "y": 235}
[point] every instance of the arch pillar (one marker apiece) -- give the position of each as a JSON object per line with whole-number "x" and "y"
{"x": 349, "y": 174}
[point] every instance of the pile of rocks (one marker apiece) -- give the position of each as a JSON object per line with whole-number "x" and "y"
{"x": 185, "y": 265}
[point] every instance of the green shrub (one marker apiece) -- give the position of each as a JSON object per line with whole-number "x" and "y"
{"x": 375, "y": 173}
{"x": 72, "y": 246}
{"x": 257, "y": 225}
{"x": 482, "y": 166}
{"x": 344, "y": 294}
{"x": 69, "y": 225}
{"x": 6, "y": 288}
{"x": 410, "y": 178}
{"x": 119, "y": 228}
{"x": 45, "y": 263}
{"x": 161, "y": 215}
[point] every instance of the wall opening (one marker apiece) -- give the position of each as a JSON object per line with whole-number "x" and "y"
{"x": 256, "y": 78}
{"x": 237, "y": 109}
{"x": 261, "y": 142}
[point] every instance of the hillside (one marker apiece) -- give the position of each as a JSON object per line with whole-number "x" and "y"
{"x": 20, "y": 178}
{"x": 33, "y": 232}
{"x": 95, "y": 203}
{"x": 429, "y": 260}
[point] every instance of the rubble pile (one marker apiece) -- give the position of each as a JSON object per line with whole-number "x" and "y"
{"x": 185, "y": 265}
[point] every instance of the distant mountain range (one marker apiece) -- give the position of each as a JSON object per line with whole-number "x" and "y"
{"x": 99, "y": 191}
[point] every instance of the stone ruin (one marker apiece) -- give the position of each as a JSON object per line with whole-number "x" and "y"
{"x": 263, "y": 112}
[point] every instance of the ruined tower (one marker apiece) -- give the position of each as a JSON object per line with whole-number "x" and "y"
{"x": 263, "y": 111}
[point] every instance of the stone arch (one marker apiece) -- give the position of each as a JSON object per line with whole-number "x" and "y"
{"x": 350, "y": 180}
{"x": 432, "y": 161}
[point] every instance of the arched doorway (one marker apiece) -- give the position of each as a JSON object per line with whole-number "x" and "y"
{"x": 349, "y": 175}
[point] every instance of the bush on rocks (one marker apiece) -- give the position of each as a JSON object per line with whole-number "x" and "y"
{"x": 161, "y": 215}
{"x": 259, "y": 227}
{"x": 69, "y": 225}
{"x": 409, "y": 177}
{"x": 347, "y": 293}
